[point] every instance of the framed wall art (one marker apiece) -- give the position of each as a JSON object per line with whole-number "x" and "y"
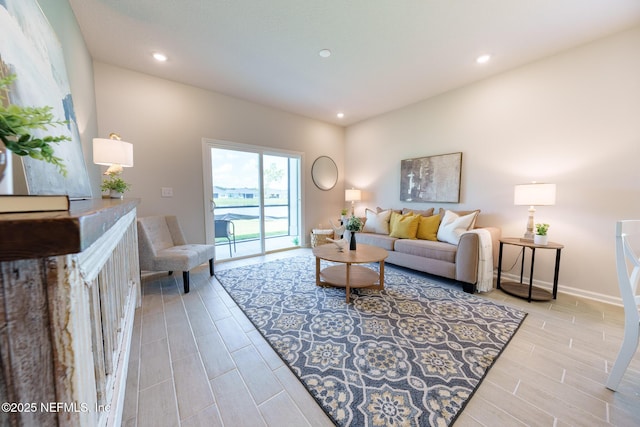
{"x": 30, "y": 49}
{"x": 431, "y": 179}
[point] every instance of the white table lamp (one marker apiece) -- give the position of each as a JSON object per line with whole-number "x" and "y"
{"x": 534, "y": 194}
{"x": 352, "y": 196}
{"x": 112, "y": 152}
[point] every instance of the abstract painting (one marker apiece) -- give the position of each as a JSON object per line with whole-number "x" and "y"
{"x": 30, "y": 49}
{"x": 431, "y": 179}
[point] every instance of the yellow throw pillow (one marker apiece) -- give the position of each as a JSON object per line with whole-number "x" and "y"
{"x": 428, "y": 228}
{"x": 404, "y": 226}
{"x": 393, "y": 220}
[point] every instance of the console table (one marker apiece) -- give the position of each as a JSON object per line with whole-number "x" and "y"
{"x": 69, "y": 286}
{"x": 520, "y": 289}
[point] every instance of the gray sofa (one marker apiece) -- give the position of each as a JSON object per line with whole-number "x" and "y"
{"x": 459, "y": 262}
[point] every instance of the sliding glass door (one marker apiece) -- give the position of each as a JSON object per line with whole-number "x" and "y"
{"x": 253, "y": 199}
{"x": 281, "y": 191}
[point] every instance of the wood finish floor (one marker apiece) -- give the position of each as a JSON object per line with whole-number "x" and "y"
{"x": 197, "y": 361}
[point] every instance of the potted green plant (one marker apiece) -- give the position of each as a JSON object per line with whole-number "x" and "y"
{"x": 354, "y": 224}
{"x": 115, "y": 185}
{"x": 343, "y": 216}
{"x": 16, "y": 131}
{"x": 541, "y": 238}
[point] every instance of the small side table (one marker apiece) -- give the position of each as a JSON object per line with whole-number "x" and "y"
{"x": 523, "y": 290}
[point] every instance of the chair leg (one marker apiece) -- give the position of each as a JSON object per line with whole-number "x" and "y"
{"x": 211, "y": 267}
{"x": 230, "y": 255}
{"x": 627, "y": 351}
{"x": 185, "y": 279}
{"x": 233, "y": 233}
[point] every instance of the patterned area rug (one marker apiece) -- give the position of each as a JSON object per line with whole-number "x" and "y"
{"x": 411, "y": 355}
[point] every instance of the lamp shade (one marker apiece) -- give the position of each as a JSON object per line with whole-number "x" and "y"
{"x": 352, "y": 195}
{"x": 534, "y": 194}
{"x": 112, "y": 151}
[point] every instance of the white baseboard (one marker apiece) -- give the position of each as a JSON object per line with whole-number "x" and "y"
{"x": 566, "y": 290}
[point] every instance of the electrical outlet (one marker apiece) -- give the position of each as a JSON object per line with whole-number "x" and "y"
{"x": 167, "y": 192}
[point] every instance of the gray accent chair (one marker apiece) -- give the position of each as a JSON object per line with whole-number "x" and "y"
{"x": 162, "y": 247}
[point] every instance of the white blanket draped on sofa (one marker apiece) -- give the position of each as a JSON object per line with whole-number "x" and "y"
{"x": 485, "y": 261}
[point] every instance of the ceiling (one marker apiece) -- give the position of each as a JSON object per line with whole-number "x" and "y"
{"x": 385, "y": 54}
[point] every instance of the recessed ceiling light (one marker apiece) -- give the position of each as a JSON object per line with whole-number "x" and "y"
{"x": 340, "y": 115}
{"x": 325, "y": 53}
{"x": 483, "y": 59}
{"x": 160, "y": 57}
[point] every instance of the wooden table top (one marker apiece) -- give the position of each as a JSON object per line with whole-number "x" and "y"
{"x": 363, "y": 254}
{"x": 529, "y": 244}
{"x": 44, "y": 234}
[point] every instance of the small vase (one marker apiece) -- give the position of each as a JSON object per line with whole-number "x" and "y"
{"x": 352, "y": 243}
{"x": 116, "y": 195}
{"x": 3, "y": 159}
{"x": 6, "y": 179}
{"x": 540, "y": 240}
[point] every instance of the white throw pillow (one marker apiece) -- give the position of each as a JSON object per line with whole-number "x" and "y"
{"x": 377, "y": 222}
{"x": 452, "y": 226}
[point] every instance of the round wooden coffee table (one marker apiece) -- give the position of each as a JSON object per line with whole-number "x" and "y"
{"x": 347, "y": 275}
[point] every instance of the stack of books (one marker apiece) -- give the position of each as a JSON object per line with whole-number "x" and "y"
{"x": 23, "y": 203}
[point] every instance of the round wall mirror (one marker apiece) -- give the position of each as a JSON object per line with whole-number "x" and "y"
{"x": 324, "y": 173}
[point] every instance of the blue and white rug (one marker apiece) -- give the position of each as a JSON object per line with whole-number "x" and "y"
{"x": 410, "y": 355}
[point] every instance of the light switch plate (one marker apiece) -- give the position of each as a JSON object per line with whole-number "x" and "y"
{"x": 167, "y": 192}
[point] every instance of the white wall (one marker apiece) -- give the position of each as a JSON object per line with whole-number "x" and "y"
{"x": 166, "y": 121}
{"x": 572, "y": 119}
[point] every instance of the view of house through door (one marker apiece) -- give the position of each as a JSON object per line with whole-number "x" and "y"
{"x": 253, "y": 199}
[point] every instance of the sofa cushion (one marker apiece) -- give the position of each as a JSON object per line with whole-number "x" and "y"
{"x": 379, "y": 209}
{"x": 427, "y": 249}
{"x": 377, "y": 222}
{"x": 428, "y": 227}
{"x": 404, "y": 226}
{"x": 425, "y": 212}
{"x": 441, "y": 212}
{"x": 182, "y": 258}
{"x": 453, "y": 225}
{"x": 380, "y": 240}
